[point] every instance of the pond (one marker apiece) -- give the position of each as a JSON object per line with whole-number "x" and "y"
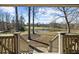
{"x": 41, "y": 30}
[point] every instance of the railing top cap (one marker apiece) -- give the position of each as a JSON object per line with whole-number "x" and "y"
{"x": 64, "y": 33}
{"x": 5, "y": 35}
{"x": 72, "y": 34}
{"x": 61, "y": 32}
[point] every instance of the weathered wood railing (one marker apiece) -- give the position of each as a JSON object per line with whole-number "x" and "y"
{"x": 66, "y": 43}
{"x": 61, "y": 43}
{"x": 25, "y": 43}
{"x": 70, "y": 43}
{"x": 53, "y": 46}
{"x": 9, "y": 44}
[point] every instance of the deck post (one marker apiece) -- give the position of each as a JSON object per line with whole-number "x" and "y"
{"x": 50, "y": 48}
{"x": 61, "y": 42}
{"x": 16, "y": 43}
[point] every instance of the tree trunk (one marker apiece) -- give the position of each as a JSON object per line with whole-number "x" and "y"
{"x": 68, "y": 25}
{"x": 29, "y": 36}
{"x": 33, "y": 21}
{"x": 17, "y": 22}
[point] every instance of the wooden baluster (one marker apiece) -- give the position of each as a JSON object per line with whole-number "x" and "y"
{"x": 68, "y": 43}
{"x": 12, "y": 41}
{"x": 5, "y": 45}
{"x": 76, "y": 41}
{"x": 8, "y": 45}
{"x": 65, "y": 43}
{"x": 1, "y": 45}
{"x": 78, "y": 45}
{"x": 74, "y": 45}
{"x": 11, "y": 44}
{"x": 16, "y": 43}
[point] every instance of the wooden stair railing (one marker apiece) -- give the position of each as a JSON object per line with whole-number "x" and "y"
{"x": 51, "y": 42}
{"x": 23, "y": 39}
{"x": 30, "y": 46}
{"x": 40, "y": 42}
{"x": 37, "y": 49}
{"x": 26, "y": 50}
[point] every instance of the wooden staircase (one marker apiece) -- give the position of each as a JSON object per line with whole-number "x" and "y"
{"x": 38, "y": 46}
{"x": 17, "y": 43}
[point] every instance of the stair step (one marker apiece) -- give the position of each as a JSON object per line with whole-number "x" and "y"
{"x": 45, "y": 50}
{"x": 38, "y": 49}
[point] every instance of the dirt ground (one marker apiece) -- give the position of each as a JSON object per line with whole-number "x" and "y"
{"x": 44, "y": 37}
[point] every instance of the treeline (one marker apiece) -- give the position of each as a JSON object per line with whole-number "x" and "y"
{"x": 56, "y": 25}
{"x": 8, "y": 22}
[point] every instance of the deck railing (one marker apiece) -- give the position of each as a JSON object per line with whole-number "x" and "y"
{"x": 9, "y": 44}
{"x": 66, "y": 43}
{"x": 70, "y": 43}
{"x": 61, "y": 43}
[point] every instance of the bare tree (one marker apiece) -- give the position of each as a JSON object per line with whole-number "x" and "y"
{"x": 65, "y": 16}
{"x": 3, "y": 23}
{"x": 7, "y": 21}
{"x": 13, "y": 22}
{"x": 21, "y": 20}
{"x": 67, "y": 13}
{"x": 21, "y": 23}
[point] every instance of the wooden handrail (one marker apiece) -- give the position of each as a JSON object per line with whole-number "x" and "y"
{"x": 51, "y": 41}
{"x": 2, "y": 35}
{"x": 23, "y": 39}
{"x": 56, "y": 36}
{"x": 40, "y": 42}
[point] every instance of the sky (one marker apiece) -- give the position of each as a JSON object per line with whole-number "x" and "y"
{"x": 43, "y": 15}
